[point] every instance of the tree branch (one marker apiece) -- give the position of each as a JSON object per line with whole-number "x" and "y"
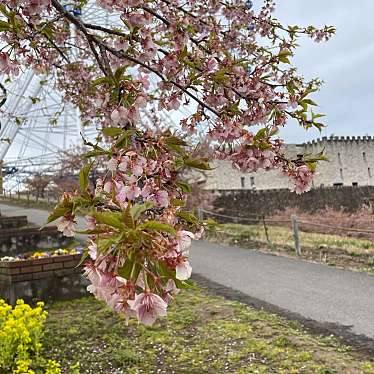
{"x": 80, "y": 26}
{"x": 92, "y": 39}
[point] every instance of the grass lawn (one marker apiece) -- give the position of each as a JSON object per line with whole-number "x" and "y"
{"x": 334, "y": 250}
{"x": 202, "y": 334}
{"x": 284, "y": 236}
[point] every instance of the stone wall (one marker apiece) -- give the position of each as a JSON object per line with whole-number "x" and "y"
{"x": 12, "y": 222}
{"x": 243, "y": 203}
{"x": 52, "y": 278}
{"x": 20, "y": 240}
{"x": 351, "y": 162}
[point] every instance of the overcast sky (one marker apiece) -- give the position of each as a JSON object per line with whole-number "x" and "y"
{"x": 345, "y": 63}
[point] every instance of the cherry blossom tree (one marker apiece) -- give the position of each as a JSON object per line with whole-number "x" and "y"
{"x": 229, "y": 65}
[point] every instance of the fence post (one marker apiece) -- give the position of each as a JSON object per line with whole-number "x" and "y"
{"x": 265, "y": 229}
{"x": 200, "y": 214}
{"x": 295, "y": 226}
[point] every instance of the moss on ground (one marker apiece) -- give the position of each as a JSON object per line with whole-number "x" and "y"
{"x": 202, "y": 334}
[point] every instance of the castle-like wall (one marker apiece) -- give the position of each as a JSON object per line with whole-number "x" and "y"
{"x": 351, "y": 162}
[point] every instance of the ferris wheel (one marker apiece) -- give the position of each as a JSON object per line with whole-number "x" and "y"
{"x": 36, "y": 123}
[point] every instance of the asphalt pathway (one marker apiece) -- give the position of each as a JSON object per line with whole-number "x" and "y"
{"x": 317, "y": 292}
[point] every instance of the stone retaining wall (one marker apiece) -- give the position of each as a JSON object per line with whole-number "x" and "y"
{"x": 12, "y": 222}
{"x": 242, "y": 203}
{"x": 52, "y": 278}
{"x": 20, "y": 240}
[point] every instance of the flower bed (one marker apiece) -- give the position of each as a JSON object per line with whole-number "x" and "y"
{"x": 35, "y": 254}
{"x": 44, "y": 275}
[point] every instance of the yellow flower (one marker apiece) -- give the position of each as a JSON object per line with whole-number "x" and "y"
{"x": 21, "y": 332}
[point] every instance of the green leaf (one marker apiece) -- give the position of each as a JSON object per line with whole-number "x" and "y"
{"x": 310, "y": 102}
{"x": 131, "y": 268}
{"x": 126, "y": 269}
{"x": 104, "y": 244}
{"x": 187, "y": 216}
{"x": 158, "y": 226}
{"x": 112, "y": 131}
{"x": 185, "y": 284}
{"x": 119, "y": 72}
{"x": 4, "y": 26}
{"x": 4, "y": 10}
{"x": 177, "y": 202}
{"x": 95, "y": 153}
{"x": 128, "y": 218}
{"x": 318, "y": 125}
{"x": 260, "y": 134}
{"x": 185, "y": 187}
{"x": 83, "y": 258}
{"x": 314, "y": 115}
{"x": 304, "y": 105}
{"x": 137, "y": 209}
{"x": 113, "y": 219}
{"x": 58, "y": 212}
{"x": 311, "y": 165}
{"x": 102, "y": 80}
{"x": 291, "y": 88}
{"x": 90, "y": 232}
{"x": 176, "y": 148}
{"x": 197, "y": 164}
{"x": 83, "y": 177}
{"x": 283, "y": 56}
{"x": 123, "y": 140}
{"x": 175, "y": 141}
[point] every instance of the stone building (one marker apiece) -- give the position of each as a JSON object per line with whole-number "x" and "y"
{"x": 351, "y": 163}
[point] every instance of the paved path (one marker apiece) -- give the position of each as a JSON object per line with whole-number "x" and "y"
{"x": 37, "y": 216}
{"x": 314, "y": 291}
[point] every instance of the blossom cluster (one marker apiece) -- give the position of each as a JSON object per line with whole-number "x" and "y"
{"x": 139, "y": 234}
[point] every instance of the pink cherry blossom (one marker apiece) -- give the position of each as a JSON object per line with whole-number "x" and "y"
{"x": 67, "y": 226}
{"x": 170, "y": 290}
{"x": 92, "y": 250}
{"x": 119, "y": 115}
{"x": 148, "y": 306}
{"x": 137, "y": 170}
{"x": 121, "y": 191}
{"x": 6, "y": 66}
{"x": 108, "y": 186}
{"x": 123, "y": 166}
{"x": 185, "y": 239}
{"x": 162, "y": 198}
{"x": 90, "y": 222}
{"x": 112, "y": 164}
{"x": 183, "y": 270}
{"x": 132, "y": 191}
